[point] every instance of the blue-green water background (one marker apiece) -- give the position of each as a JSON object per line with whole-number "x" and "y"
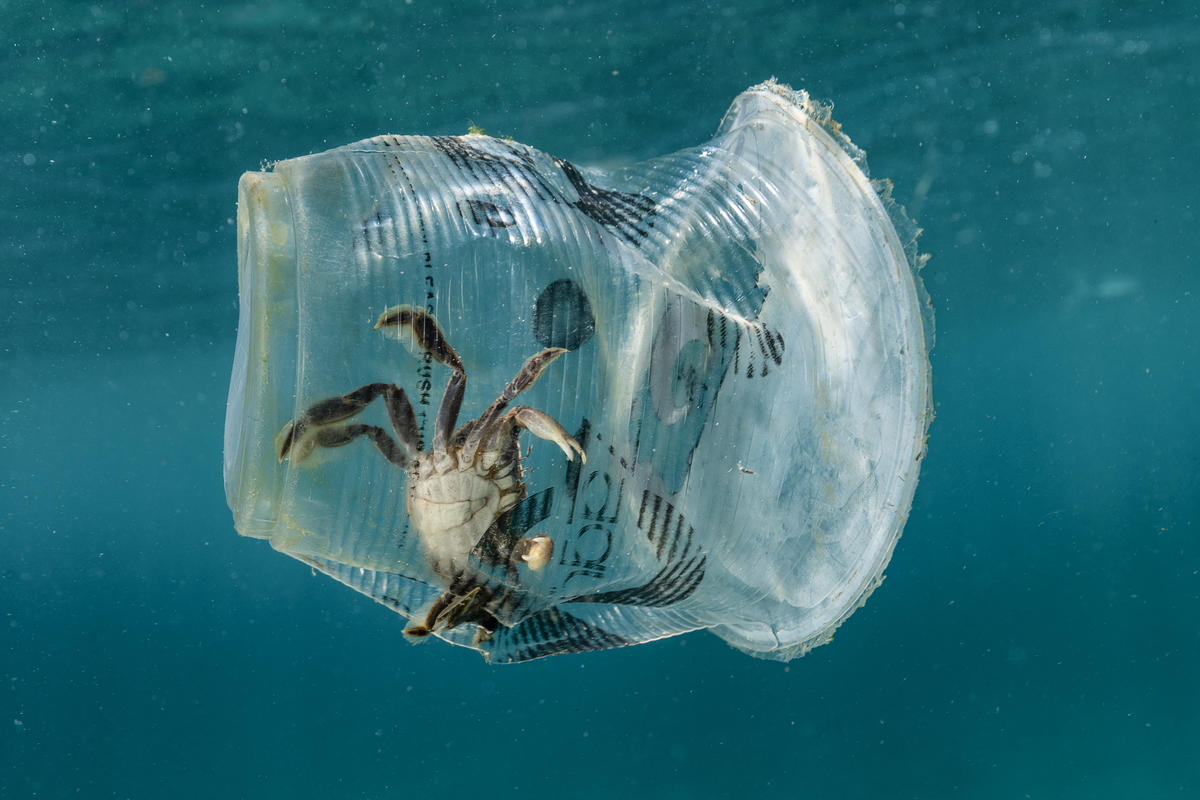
{"x": 1039, "y": 631}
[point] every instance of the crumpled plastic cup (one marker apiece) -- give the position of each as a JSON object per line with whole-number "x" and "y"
{"x": 746, "y": 368}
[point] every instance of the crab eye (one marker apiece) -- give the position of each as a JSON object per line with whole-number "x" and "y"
{"x": 721, "y": 357}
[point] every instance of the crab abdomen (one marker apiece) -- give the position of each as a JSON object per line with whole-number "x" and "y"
{"x": 451, "y": 509}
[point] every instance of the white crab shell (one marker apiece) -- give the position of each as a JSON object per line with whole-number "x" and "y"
{"x": 452, "y": 502}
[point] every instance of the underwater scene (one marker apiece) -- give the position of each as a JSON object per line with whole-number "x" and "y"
{"x": 582, "y": 400}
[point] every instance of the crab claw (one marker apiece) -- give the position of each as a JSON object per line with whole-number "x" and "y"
{"x": 544, "y": 426}
{"x": 537, "y": 552}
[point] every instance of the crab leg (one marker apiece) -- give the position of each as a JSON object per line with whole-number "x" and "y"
{"x": 541, "y": 425}
{"x": 344, "y": 434}
{"x": 447, "y": 414}
{"x": 336, "y": 409}
{"x": 420, "y": 333}
{"x": 458, "y": 605}
{"x": 530, "y": 372}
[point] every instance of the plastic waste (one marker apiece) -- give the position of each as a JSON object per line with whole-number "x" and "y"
{"x": 541, "y": 409}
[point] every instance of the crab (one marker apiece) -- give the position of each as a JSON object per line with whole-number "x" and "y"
{"x": 459, "y": 493}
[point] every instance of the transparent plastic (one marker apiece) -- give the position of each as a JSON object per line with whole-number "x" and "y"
{"x": 734, "y": 335}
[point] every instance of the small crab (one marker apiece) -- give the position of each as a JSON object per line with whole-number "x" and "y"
{"x": 459, "y": 493}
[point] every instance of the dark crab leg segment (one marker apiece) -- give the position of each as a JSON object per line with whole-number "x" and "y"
{"x": 425, "y": 332}
{"x": 415, "y": 327}
{"x": 530, "y": 372}
{"x": 448, "y": 409}
{"x": 404, "y": 421}
{"x": 336, "y": 409}
{"x": 344, "y": 434}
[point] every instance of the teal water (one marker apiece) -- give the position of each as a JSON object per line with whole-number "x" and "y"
{"x": 1039, "y": 630}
